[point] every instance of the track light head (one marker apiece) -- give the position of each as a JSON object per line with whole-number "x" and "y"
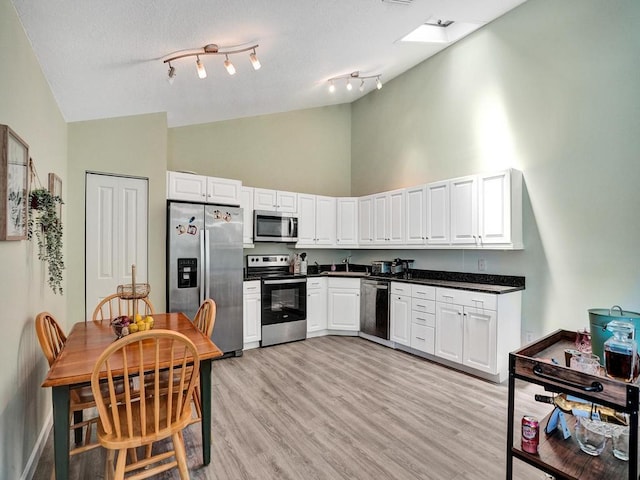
{"x": 378, "y": 83}
{"x": 229, "y": 66}
{"x": 332, "y": 87}
{"x": 202, "y": 73}
{"x": 349, "y": 86}
{"x": 171, "y": 74}
{"x": 362, "y": 85}
{"x": 254, "y": 60}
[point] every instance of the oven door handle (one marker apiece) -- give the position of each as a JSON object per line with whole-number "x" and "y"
{"x": 286, "y": 280}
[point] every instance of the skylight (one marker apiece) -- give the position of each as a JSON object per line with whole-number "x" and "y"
{"x": 447, "y": 31}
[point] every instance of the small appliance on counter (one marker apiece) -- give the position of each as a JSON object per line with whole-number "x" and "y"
{"x": 380, "y": 267}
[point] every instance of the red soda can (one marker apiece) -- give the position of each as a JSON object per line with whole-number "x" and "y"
{"x": 530, "y": 434}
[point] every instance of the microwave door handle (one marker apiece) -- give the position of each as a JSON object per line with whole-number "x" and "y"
{"x": 290, "y": 226}
{"x": 203, "y": 262}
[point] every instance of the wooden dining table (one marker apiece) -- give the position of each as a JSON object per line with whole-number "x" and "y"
{"x": 73, "y": 367}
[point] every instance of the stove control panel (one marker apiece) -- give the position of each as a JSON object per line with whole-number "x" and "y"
{"x": 278, "y": 260}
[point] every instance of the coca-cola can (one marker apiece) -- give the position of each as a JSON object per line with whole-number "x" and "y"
{"x": 530, "y": 434}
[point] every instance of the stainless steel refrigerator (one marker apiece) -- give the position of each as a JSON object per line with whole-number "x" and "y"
{"x": 204, "y": 260}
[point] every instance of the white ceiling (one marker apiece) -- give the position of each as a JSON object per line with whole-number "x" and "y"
{"x": 104, "y": 58}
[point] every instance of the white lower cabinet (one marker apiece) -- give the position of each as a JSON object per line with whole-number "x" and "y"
{"x": 480, "y": 339}
{"x": 400, "y": 313}
{"x": 477, "y": 330}
{"x": 251, "y": 313}
{"x": 343, "y": 304}
{"x": 449, "y": 328}
{"x": 316, "y": 304}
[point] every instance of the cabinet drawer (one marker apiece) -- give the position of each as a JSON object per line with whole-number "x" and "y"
{"x": 401, "y": 288}
{"x": 467, "y": 298}
{"x": 423, "y": 291}
{"x": 427, "y": 306}
{"x": 313, "y": 283}
{"x": 252, "y": 286}
{"x": 421, "y": 318}
{"x": 423, "y": 338}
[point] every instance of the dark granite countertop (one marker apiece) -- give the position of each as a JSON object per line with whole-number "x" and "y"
{"x": 476, "y": 282}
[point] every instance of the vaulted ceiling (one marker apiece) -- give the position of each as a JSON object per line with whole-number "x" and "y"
{"x": 105, "y": 59}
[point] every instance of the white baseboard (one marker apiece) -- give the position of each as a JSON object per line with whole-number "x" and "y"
{"x": 34, "y": 458}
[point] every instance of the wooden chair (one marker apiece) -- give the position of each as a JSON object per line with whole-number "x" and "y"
{"x": 114, "y": 306}
{"x": 52, "y": 339}
{"x": 154, "y": 411}
{"x": 204, "y": 321}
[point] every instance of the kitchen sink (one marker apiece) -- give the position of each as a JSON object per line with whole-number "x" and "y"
{"x": 346, "y": 274}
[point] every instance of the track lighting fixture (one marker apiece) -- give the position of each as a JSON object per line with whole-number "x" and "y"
{"x": 212, "y": 49}
{"x": 354, "y": 76}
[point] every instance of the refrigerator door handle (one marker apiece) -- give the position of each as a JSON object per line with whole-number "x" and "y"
{"x": 207, "y": 249}
{"x": 203, "y": 265}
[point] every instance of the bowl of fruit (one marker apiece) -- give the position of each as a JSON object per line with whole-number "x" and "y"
{"x": 124, "y": 325}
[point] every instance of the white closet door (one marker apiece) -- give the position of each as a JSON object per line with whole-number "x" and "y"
{"x": 116, "y": 231}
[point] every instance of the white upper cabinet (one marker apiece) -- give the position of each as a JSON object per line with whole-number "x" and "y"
{"x": 396, "y": 216}
{"x": 464, "y": 210}
{"x": 380, "y": 206}
{"x": 347, "y": 222}
{"x": 223, "y": 190}
{"x": 317, "y": 220}
{"x": 199, "y": 188}
{"x": 365, "y": 220}
{"x": 416, "y": 215}
{"x": 185, "y": 186}
{"x": 438, "y": 213}
{"x": 477, "y": 211}
{"x": 389, "y": 224}
{"x": 325, "y": 220}
{"x": 500, "y": 208}
{"x": 275, "y": 200}
{"x": 246, "y": 203}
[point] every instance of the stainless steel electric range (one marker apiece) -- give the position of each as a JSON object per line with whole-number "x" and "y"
{"x": 284, "y": 299}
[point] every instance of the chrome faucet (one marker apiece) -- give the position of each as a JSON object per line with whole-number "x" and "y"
{"x": 346, "y": 263}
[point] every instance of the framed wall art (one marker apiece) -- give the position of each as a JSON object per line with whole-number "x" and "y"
{"x": 14, "y": 185}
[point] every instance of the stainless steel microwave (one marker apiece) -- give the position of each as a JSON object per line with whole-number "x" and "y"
{"x": 275, "y": 226}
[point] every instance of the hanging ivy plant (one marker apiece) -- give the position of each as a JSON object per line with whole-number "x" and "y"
{"x": 47, "y": 226}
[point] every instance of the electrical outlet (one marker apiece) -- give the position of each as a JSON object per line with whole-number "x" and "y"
{"x": 482, "y": 265}
{"x": 528, "y": 337}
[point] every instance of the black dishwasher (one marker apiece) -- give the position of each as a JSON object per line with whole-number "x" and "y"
{"x": 374, "y": 308}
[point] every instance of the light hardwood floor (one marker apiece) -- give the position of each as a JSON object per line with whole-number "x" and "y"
{"x": 341, "y": 408}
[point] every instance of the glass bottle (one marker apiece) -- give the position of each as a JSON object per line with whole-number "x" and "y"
{"x": 620, "y": 351}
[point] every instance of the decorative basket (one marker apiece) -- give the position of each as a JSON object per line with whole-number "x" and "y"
{"x": 134, "y": 291}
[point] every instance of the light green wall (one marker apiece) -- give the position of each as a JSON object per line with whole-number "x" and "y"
{"x": 304, "y": 151}
{"x": 134, "y": 146}
{"x": 551, "y": 88}
{"x": 28, "y": 107}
